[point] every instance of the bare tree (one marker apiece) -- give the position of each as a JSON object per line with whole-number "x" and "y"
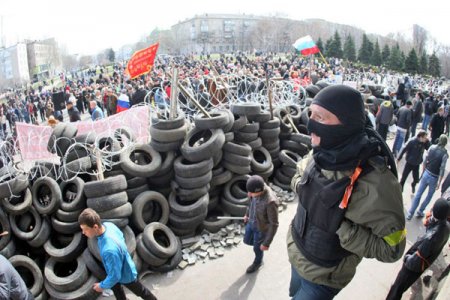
{"x": 420, "y": 37}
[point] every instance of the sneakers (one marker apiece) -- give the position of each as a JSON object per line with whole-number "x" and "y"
{"x": 419, "y": 215}
{"x": 408, "y": 217}
{"x": 413, "y": 188}
{"x": 253, "y": 268}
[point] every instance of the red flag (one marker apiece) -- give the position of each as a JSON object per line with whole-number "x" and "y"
{"x": 142, "y": 61}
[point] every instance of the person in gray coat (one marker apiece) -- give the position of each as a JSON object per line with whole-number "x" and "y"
{"x": 384, "y": 118}
{"x": 404, "y": 117}
{"x": 12, "y": 285}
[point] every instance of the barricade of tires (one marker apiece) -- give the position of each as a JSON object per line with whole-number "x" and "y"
{"x": 157, "y": 193}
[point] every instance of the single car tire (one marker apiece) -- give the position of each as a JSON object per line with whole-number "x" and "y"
{"x": 46, "y": 187}
{"x": 21, "y": 207}
{"x": 138, "y": 170}
{"x": 183, "y": 209}
{"x": 169, "y": 135}
{"x": 194, "y": 183}
{"x": 26, "y": 235}
{"x": 76, "y": 185}
{"x": 107, "y": 202}
{"x": 85, "y": 292}
{"x": 27, "y": 263}
{"x": 151, "y": 241}
{"x": 140, "y": 205}
{"x": 110, "y": 185}
{"x": 187, "y": 169}
{"x": 122, "y": 211}
{"x": 68, "y": 283}
{"x": 69, "y": 252}
{"x": 202, "y": 144}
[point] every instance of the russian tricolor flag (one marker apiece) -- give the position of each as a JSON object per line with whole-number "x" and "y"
{"x": 306, "y": 45}
{"x": 123, "y": 103}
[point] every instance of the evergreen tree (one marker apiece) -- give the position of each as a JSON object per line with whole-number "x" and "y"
{"x": 434, "y": 67}
{"x": 423, "y": 64}
{"x": 365, "y": 52}
{"x": 337, "y": 45}
{"x": 329, "y": 47}
{"x": 349, "y": 49}
{"x": 385, "y": 54}
{"x": 395, "y": 59}
{"x": 376, "y": 55}
{"x": 111, "y": 54}
{"x": 319, "y": 44}
{"x": 412, "y": 62}
{"x": 402, "y": 60}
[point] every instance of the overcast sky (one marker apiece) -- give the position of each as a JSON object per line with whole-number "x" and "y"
{"x": 89, "y": 26}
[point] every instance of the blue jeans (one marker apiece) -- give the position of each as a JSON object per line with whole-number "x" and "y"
{"x": 398, "y": 142}
{"x": 413, "y": 129}
{"x": 429, "y": 181}
{"x": 254, "y": 237}
{"x": 426, "y": 122}
{"x": 302, "y": 289}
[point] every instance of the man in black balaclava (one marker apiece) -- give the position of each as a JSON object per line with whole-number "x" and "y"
{"x": 350, "y": 202}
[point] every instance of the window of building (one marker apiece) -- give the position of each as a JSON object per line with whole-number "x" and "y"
{"x": 204, "y": 26}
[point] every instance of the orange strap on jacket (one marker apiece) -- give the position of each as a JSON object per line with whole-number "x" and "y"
{"x": 423, "y": 261}
{"x": 349, "y": 188}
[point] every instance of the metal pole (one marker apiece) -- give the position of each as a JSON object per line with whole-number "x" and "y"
{"x": 174, "y": 95}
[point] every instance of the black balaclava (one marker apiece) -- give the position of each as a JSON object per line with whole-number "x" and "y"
{"x": 347, "y": 105}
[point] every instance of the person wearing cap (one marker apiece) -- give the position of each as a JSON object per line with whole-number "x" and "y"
{"x": 384, "y": 118}
{"x": 72, "y": 110}
{"x": 349, "y": 199}
{"x": 12, "y": 285}
{"x": 434, "y": 168}
{"x": 425, "y": 251}
{"x": 261, "y": 219}
{"x": 404, "y": 117}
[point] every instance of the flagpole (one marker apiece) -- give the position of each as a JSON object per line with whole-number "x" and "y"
{"x": 321, "y": 55}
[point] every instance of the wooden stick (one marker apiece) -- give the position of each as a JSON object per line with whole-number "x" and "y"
{"x": 193, "y": 100}
{"x": 174, "y": 95}
{"x": 218, "y": 75}
{"x": 99, "y": 165}
{"x": 269, "y": 95}
{"x": 288, "y": 116}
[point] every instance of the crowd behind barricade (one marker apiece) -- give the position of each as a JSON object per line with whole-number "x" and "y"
{"x": 339, "y": 134}
{"x": 242, "y": 78}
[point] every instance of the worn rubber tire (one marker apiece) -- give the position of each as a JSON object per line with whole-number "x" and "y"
{"x": 238, "y": 169}
{"x": 183, "y": 209}
{"x": 13, "y": 186}
{"x": 272, "y": 124}
{"x": 188, "y": 169}
{"x": 152, "y": 243}
{"x": 194, "y": 183}
{"x": 65, "y": 227}
{"x": 29, "y": 235}
{"x": 166, "y": 147}
{"x": 228, "y": 195}
{"x": 289, "y": 158}
{"x": 213, "y": 142}
{"x": 165, "y": 124}
{"x": 246, "y": 108}
{"x": 43, "y": 235}
{"x": 94, "y": 266}
{"x": 46, "y": 185}
{"x": 122, "y": 211}
{"x": 242, "y": 149}
{"x": 263, "y": 116}
{"x": 219, "y": 120}
{"x": 75, "y": 185}
{"x": 137, "y": 170}
{"x": 237, "y": 159}
{"x": 133, "y": 193}
{"x": 141, "y": 203}
{"x": 169, "y": 135}
{"x": 68, "y": 283}
{"x": 255, "y": 144}
{"x": 21, "y": 207}
{"x": 234, "y": 210}
{"x": 69, "y": 252}
{"x": 110, "y": 185}
{"x": 172, "y": 262}
{"x": 212, "y": 224}
{"x": 26, "y": 262}
{"x": 186, "y": 223}
{"x": 146, "y": 255}
{"x": 107, "y": 202}
{"x": 222, "y": 178}
{"x": 85, "y": 292}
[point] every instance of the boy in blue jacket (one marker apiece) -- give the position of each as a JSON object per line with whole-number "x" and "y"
{"x": 119, "y": 266}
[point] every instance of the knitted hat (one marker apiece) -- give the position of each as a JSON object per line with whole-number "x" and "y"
{"x": 255, "y": 184}
{"x": 345, "y": 103}
{"x": 440, "y": 209}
